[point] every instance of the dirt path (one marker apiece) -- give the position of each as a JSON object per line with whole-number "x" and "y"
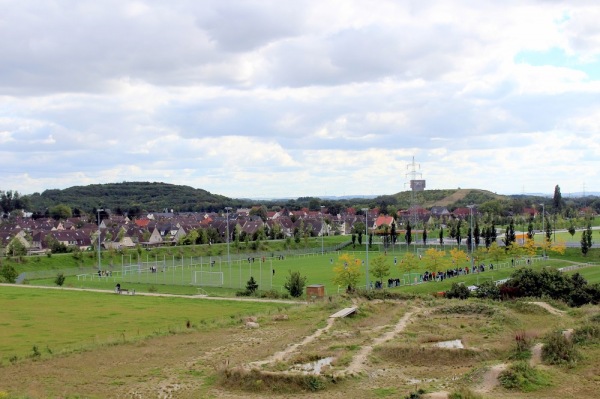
{"x": 550, "y": 308}
{"x": 280, "y": 356}
{"x": 536, "y": 354}
{"x": 204, "y": 297}
{"x": 490, "y": 378}
{"x": 358, "y": 363}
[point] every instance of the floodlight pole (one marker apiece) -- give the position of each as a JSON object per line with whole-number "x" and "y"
{"x": 471, "y": 234}
{"x": 544, "y": 229}
{"x": 322, "y": 233}
{"x": 99, "y": 260}
{"x": 227, "y": 209}
{"x": 366, "y": 211}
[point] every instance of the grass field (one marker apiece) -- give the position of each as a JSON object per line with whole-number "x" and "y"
{"x": 62, "y": 320}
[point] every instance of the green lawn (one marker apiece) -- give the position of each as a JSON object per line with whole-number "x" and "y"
{"x": 61, "y": 320}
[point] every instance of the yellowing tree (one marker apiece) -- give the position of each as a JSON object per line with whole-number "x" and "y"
{"x": 435, "y": 260}
{"x": 408, "y": 263}
{"x": 559, "y": 247}
{"x": 458, "y": 256}
{"x": 529, "y": 247}
{"x": 346, "y": 272}
{"x": 496, "y": 252}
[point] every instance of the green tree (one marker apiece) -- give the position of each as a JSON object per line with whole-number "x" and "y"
{"x": 557, "y": 201}
{"x": 408, "y": 232}
{"x": 571, "y": 229}
{"x": 548, "y": 229}
{"x": 295, "y": 284}
{"x": 477, "y": 234}
{"x": 251, "y": 286}
{"x": 9, "y": 273}
{"x": 60, "y": 212}
{"x": 441, "y": 236}
{"x": 16, "y": 248}
{"x": 60, "y": 279}
{"x": 380, "y": 268}
{"x": 586, "y": 240}
{"x": 424, "y": 236}
{"x": 530, "y": 230}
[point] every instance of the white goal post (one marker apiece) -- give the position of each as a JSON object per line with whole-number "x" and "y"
{"x": 213, "y": 279}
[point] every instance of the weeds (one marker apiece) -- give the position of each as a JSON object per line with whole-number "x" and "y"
{"x": 522, "y": 377}
{"x": 464, "y": 393}
{"x": 468, "y": 308}
{"x": 559, "y": 350}
{"x": 586, "y": 334}
{"x": 259, "y": 381}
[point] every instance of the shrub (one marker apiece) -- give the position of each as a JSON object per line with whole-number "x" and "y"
{"x": 251, "y": 286}
{"x": 415, "y": 395}
{"x": 522, "y": 344}
{"x": 522, "y": 377}
{"x": 9, "y": 273}
{"x": 295, "y": 284}
{"x": 558, "y": 349}
{"x": 588, "y": 333}
{"x": 488, "y": 290}
{"x": 459, "y": 291}
{"x": 60, "y": 279}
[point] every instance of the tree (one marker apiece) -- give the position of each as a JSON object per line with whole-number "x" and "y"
{"x": 380, "y": 268}
{"x": 408, "y": 263}
{"x": 393, "y": 232}
{"x": 586, "y": 240}
{"x": 441, "y": 236}
{"x": 16, "y": 248}
{"x": 493, "y": 232}
{"x": 408, "y": 233}
{"x": 353, "y": 240}
{"x": 60, "y": 279}
{"x": 60, "y": 212}
{"x": 295, "y": 283}
{"x": 571, "y": 229}
{"x": 251, "y": 286}
{"x": 457, "y": 256}
{"x": 557, "y": 201}
{"x": 434, "y": 259}
{"x": 496, "y": 252}
{"x": 346, "y": 272}
{"x": 458, "y": 232}
{"x": 548, "y": 229}
{"x": 9, "y": 274}
{"x": 424, "y": 236}
{"x": 530, "y": 230}
{"x": 477, "y": 234}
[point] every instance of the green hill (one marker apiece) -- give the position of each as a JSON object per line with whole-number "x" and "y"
{"x": 132, "y": 195}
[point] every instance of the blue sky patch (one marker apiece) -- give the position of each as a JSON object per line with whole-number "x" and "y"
{"x": 558, "y": 58}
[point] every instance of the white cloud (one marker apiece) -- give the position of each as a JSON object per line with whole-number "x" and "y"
{"x": 311, "y": 98}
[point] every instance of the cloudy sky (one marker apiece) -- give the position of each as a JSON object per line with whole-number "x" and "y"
{"x": 301, "y": 98}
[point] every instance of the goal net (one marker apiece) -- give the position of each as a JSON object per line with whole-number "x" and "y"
{"x": 213, "y": 279}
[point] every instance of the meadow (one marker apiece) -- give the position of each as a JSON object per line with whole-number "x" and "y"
{"x": 61, "y": 321}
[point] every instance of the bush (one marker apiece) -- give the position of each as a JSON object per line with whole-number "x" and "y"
{"x": 558, "y": 349}
{"x": 459, "y": 291}
{"x": 522, "y": 377}
{"x": 295, "y": 284}
{"x": 251, "y": 286}
{"x": 588, "y": 333}
{"x": 9, "y": 274}
{"x": 60, "y": 279}
{"x": 488, "y": 290}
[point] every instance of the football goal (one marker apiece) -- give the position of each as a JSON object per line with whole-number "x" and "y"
{"x": 212, "y": 279}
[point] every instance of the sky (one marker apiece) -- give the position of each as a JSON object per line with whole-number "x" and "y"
{"x": 289, "y": 98}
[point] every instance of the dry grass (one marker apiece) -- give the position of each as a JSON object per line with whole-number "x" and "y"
{"x": 208, "y": 362}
